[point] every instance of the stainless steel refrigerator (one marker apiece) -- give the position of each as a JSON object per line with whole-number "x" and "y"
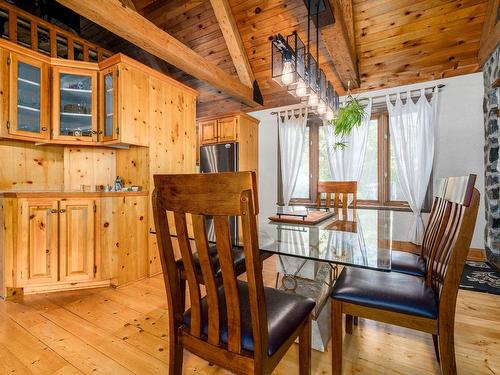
{"x": 220, "y": 158}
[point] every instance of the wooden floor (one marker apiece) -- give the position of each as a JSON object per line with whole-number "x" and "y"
{"x": 108, "y": 331}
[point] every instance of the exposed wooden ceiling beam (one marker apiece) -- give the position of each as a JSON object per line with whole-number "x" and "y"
{"x": 227, "y": 24}
{"x": 129, "y": 3}
{"x": 339, "y": 45}
{"x": 490, "y": 37}
{"x": 131, "y": 26}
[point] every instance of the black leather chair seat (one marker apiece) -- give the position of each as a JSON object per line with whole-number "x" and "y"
{"x": 408, "y": 263}
{"x": 389, "y": 291}
{"x": 238, "y": 261}
{"x": 285, "y": 312}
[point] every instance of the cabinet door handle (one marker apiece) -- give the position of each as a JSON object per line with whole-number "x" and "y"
{"x": 62, "y": 210}
{"x": 100, "y": 132}
{"x": 94, "y": 132}
{"x": 54, "y": 211}
{"x": 44, "y": 129}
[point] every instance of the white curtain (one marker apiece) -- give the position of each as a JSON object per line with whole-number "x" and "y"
{"x": 412, "y": 127}
{"x": 291, "y": 130}
{"x": 346, "y": 164}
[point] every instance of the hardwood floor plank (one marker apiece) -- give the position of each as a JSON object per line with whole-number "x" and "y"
{"x": 37, "y": 357}
{"x": 10, "y": 364}
{"x": 124, "y": 331}
{"x": 125, "y": 354}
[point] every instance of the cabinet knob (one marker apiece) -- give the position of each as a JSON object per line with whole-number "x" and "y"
{"x": 61, "y": 211}
{"x": 94, "y": 132}
{"x": 100, "y": 132}
{"x": 53, "y": 211}
{"x": 44, "y": 129}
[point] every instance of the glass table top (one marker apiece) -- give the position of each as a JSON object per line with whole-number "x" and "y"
{"x": 358, "y": 238}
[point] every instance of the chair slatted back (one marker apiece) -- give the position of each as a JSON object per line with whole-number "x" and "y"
{"x": 455, "y": 232}
{"x": 219, "y": 195}
{"x": 340, "y": 191}
{"x": 432, "y": 230}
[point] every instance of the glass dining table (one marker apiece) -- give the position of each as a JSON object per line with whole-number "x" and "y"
{"x": 310, "y": 257}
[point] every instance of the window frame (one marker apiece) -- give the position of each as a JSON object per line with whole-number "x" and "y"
{"x": 383, "y": 200}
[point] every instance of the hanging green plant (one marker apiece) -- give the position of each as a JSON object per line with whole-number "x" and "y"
{"x": 349, "y": 116}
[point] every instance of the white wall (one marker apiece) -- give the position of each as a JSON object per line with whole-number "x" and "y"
{"x": 459, "y": 144}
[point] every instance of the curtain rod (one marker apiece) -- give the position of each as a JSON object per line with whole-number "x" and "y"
{"x": 440, "y": 86}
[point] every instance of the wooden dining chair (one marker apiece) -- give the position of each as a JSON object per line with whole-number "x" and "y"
{"x": 416, "y": 264}
{"x": 240, "y": 326}
{"x": 340, "y": 191}
{"x": 238, "y": 258}
{"x": 424, "y": 304}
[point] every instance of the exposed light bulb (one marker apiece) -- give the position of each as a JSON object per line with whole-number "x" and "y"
{"x": 313, "y": 99}
{"x": 329, "y": 115}
{"x": 287, "y": 73}
{"x": 321, "y": 108}
{"x": 301, "y": 89}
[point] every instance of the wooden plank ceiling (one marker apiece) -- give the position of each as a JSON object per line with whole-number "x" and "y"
{"x": 396, "y": 42}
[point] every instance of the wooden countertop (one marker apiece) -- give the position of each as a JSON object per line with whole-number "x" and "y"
{"x": 70, "y": 194}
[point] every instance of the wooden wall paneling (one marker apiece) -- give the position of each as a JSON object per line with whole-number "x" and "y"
{"x": 108, "y": 238}
{"x": 88, "y": 166}
{"x": 173, "y": 142}
{"x": 8, "y": 241}
{"x": 29, "y": 167}
{"x": 124, "y": 238}
{"x": 132, "y": 165}
{"x": 129, "y": 255}
{"x": 133, "y": 105}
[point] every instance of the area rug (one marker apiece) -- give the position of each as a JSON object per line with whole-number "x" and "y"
{"x": 480, "y": 277}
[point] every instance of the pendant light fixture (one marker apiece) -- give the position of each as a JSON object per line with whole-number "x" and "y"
{"x": 294, "y": 67}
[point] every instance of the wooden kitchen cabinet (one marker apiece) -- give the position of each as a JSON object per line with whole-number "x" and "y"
{"x": 28, "y": 97}
{"x": 38, "y": 241}
{"x": 226, "y": 129}
{"x": 238, "y": 127}
{"x": 74, "y": 102}
{"x": 124, "y": 87}
{"x": 56, "y": 241}
{"x": 77, "y": 240}
{"x": 208, "y": 132}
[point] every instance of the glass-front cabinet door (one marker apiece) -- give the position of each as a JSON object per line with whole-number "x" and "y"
{"x": 74, "y": 104}
{"x": 109, "y": 105}
{"x": 29, "y": 97}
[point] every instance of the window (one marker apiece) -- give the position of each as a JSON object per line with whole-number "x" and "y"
{"x": 378, "y": 185}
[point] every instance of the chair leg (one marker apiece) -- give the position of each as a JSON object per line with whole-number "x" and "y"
{"x": 446, "y": 343}
{"x": 436, "y": 346}
{"x": 336, "y": 337}
{"x": 348, "y": 324}
{"x": 355, "y": 321}
{"x": 175, "y": 356}
{"x": 305, "y": 349}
